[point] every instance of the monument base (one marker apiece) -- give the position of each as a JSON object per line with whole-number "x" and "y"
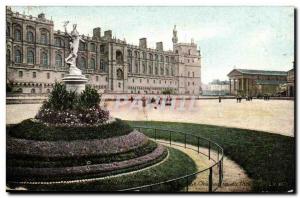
{"x": 75, "y": 82}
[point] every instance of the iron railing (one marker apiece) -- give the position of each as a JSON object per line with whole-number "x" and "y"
{"x": 192, "y": 142}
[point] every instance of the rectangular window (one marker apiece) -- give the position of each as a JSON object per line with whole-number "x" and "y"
{"x": 48, "y": 75}
{"x": 97, "y": 78}
{"x": 20, "y": 74}
{"x": 62, "y": 75}
{"x": 34, "y": 74}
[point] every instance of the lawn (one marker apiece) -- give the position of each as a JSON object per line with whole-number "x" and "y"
{"x": 268, "y": 159}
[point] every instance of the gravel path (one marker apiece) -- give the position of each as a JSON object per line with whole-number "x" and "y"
{"x": 274, "y": 116}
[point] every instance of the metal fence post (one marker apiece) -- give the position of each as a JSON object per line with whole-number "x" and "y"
{"x": 187, "y": 184}
{"x": 198, "y": 144}
{"x": 220, "y": 173}
{"x": 210, "y": 180}
{"x": 209, "y": 150}
{"x": 170, "y": 137}
{"x": 185, "y": 140}
{"x": 222, "y": 166}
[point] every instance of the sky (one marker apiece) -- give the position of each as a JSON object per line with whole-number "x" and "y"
{"x": 228, "y": 37}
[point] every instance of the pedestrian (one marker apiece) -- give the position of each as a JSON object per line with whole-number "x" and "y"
{"x": 219, "y": 99}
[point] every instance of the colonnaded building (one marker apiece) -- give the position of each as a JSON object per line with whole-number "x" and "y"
{"x": 256, "y": 82}
{"x": 36, "y": 53}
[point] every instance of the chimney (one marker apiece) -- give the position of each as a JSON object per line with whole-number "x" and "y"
{"x": 97, "y": 32}
{"x": 159, "y": 46}
{"x": 108, "y": 34}
{"x": 143, "y": 43}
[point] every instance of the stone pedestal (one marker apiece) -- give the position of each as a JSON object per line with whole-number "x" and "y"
{"x": 75, "y": 81}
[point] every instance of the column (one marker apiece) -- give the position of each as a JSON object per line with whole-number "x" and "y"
{"x": 243, "y": 84}
{"x": 229, "y": 86}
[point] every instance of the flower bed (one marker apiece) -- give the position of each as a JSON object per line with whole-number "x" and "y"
{"x": 84, "y": 117}
{"x": 77, "y": 148}
{"x": 31, "y": 130}
{"x": 42, "y": 173}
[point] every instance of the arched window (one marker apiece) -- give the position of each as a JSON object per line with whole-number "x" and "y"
{"x": 44, "y": 58}
{"x": 30, "y": 57}
{"x": 33, "y": 90}
{"x": 129, "y": 53}
{"x": 18, "y": 35}
{"x": 82, "y": 63}
{"x": 172, "y": 71}
{"x": 151, "y": 57}
{"x": 30, "y": 36}
{"x": 48, "y": 91}
{"x": 93, "y": 64}
{"x": 58, "y": 60}
{"x": 172, "y": 60}
{"x": 167, "y": 59}
{"x": 18, "y": 56}
{"x": 161, "y": 70}
{"x": 81, "y": 46}
{"x": 44, "y": 38}
{"x": 119, "y": 74}
{"x": 20, "y": 90}
{"x": 93, "y": 47}
{"x": 156, "y": 69}
{"x": 59, "y": 42}
{"x": 150, "y": 69}
{"x": 102, "y": 65}
{"x": 8, "y": 56}
{"x": 8, "y": 30}
{"x": 129, "y": 65}
{"x": 102, "y": 49}
{"x": 167, "y": 71}
{"x": 119, "y": 57}
{"x": 136, "y": 67}
{"x": 144, "y": 68}
{"x": 161, "y": 58}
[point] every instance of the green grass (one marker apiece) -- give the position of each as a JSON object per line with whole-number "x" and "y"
{"x": 178, "y": 164}
{"x": 38, "y": 131}
{"x": 268, "y": 159}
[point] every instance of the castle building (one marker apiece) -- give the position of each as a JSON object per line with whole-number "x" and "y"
{"x": 35, "y": 54}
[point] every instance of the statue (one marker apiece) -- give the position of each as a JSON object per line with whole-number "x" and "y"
{"x": 174, "y": 39}
{"x": 75, "y": 39}
{"x": 74, "y": 81}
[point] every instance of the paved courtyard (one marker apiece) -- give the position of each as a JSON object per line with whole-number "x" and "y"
{"x": 275, "y": 116}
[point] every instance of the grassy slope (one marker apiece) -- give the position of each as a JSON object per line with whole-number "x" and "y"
{"x": 178, "y": 164}
{"x": 268, "y": 159}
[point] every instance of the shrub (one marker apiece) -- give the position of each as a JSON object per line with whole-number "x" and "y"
{"x": 89, "y": 98}
{"x": 61, "y": 99}
{"x": 66, "y": 107}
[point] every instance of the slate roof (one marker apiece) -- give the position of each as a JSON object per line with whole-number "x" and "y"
{"x": 262, "y": 72}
